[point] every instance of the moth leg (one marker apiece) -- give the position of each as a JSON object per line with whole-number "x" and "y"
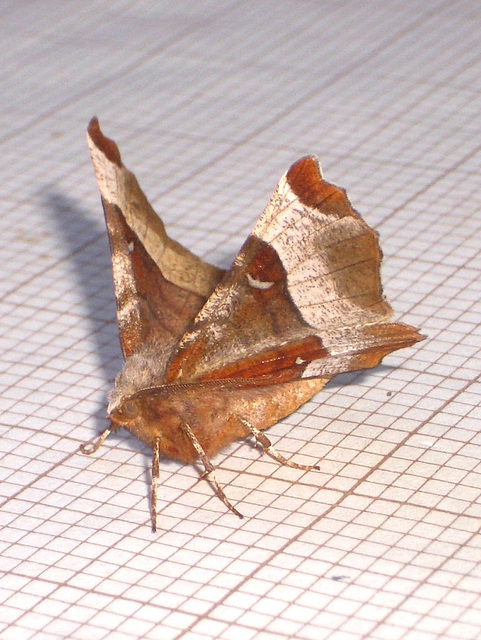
{"x": 267, "y": 447}
{"x": 155, "y": 483}
{"x": 209, "y": 468}
{"x": 91, "y": 447}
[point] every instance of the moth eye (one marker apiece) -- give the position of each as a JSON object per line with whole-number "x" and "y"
{"x": 130, "y": 410}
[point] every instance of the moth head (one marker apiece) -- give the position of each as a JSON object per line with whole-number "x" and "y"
{"x": 143, "y": 369}
{"x": 123, "y": 411}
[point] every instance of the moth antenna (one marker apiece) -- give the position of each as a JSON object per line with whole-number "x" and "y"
{"x": 155, "y": 483}
{"x": 267, "y": 447}
{"x": 209, "y": 474}
{"x": 91, "y": 447}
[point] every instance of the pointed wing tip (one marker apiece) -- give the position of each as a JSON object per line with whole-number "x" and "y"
{"x": 419, "y": 337}
{"x": 409, "y": 335}
{"x": 398, "y": 336}
{"x": 306, "y": 181}
{"x": 413, "y": 332}
{"x": 305, "y": 170}
{"x": 306, "y": 161}
{"x": 93, "y": 124}
{"x": 102, "y": 143}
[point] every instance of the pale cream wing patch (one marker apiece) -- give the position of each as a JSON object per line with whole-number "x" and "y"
{"x": 330, "y": 255}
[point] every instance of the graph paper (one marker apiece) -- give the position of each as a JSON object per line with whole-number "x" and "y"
{"x": 210, "y": 103}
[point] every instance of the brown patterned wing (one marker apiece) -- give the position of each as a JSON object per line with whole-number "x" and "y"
{"x": 159, "y": 285}
{"x": 303, "y": 298}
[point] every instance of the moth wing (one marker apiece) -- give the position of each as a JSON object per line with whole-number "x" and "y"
{"x": 303, "y": 298}
{"x": 159, "y": 285}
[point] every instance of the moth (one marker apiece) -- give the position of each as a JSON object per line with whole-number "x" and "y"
{"x": 212, "y": 356}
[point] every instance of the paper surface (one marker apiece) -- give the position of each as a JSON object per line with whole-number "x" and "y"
{"x": 210, "y": 104}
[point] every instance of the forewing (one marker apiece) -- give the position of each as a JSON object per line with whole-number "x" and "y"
{"x": 159, "y": 285}
{"x": 303, "y": 297}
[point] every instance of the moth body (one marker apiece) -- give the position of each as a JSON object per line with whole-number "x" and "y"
{"x": 217, "y": 413}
